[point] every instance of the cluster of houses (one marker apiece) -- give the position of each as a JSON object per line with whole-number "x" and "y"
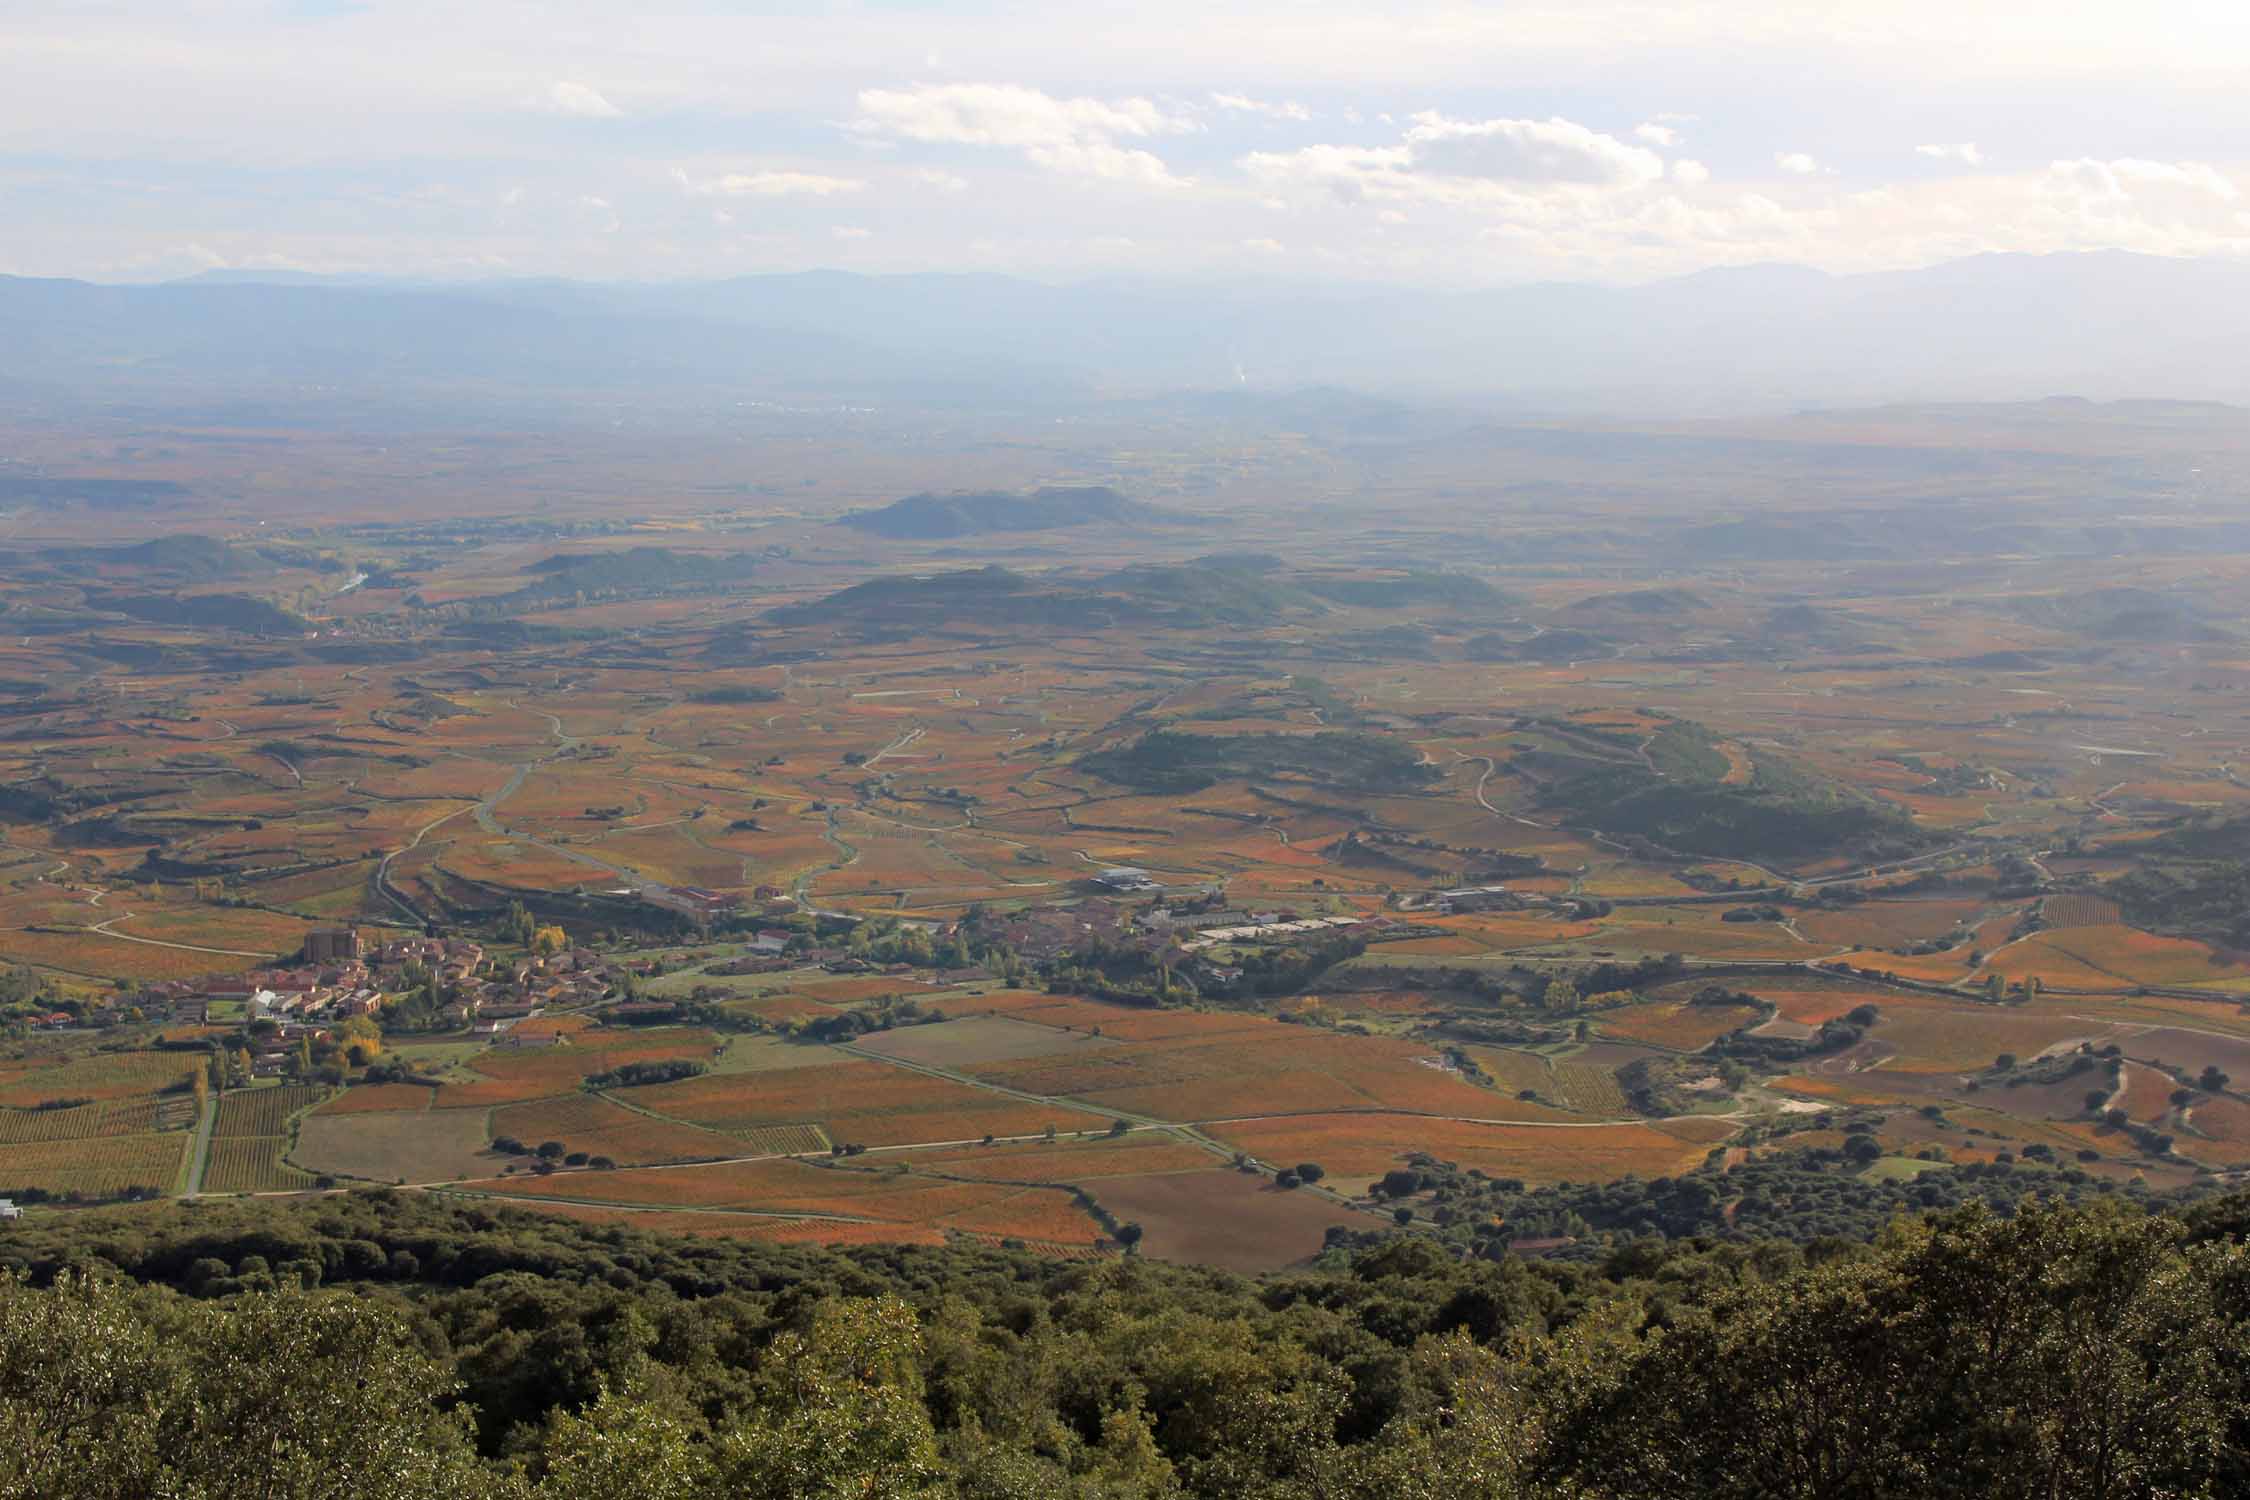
{"x": 339, "y": 976}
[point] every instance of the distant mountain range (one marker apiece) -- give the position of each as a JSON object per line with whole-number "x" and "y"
{"x": 1993, "y": 327}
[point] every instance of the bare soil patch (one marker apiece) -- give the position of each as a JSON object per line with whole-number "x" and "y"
{"x": 414, "y": 1145}
{"x": 1224, "y": 1218}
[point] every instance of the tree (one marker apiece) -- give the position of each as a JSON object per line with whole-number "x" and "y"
{"x": 1995, "y": 988}
{"x": 1402, "y": 1217}
{"x": 1310, "y": 1171}
{"x": 623, "y": 1447}
{"x": 2213, "y": 1081}
{"x": 2058, "y": 1352}
{"x": 551, "y": 1150}
{"x": 2096, "y": 1098}
{"x": 1400, "y": 1181}
{"x": 1560, "y": 997}
{"x": 839, "y": 1413}
{"x": 2004, "y": 1062}
{"x": 1287, "y": 1179}
{"x": 107, "y": 1397}
{"x": 1129, "y": 1235}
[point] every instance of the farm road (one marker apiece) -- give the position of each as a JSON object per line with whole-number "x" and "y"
{"x": 200, "y": 1154}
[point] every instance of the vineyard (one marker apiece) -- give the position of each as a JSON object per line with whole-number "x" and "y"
{"x": 861, "y": 1102}
{"x": 114, "y": 1117}
{"x": 1358, "y": 1147}
{"x": 375, "y": 1098}
{"x": 585, "y": 1122}
{"x": 262, "y": 1112}
{"x": 102, "y": 1167}
{"x": 899, "y": 1200}
{"x": 251, "y": 1164}
{"x": 1678, "y": 1025}
{"x": 2078, "y": 909}
{"x": 514, "y": 1077}
{"x": 103, "y": 1075}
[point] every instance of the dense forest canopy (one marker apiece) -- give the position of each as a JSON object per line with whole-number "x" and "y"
{"x": 383, "y": 1344}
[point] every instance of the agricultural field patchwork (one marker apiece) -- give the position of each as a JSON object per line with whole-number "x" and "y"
{"x": 1444, "y": 840}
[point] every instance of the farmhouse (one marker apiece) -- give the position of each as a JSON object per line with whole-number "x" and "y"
{"x": 8, "y": 1209}
{"x": 695, "y": 900}
{"x": 1475, "y": 898}
{"x": 1126, "y": 878}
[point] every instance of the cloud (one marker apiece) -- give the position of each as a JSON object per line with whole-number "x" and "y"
{"x": 1657, "y": 135}
{"x": 1796, "y": 163}
{"x": 1965, "y": 152}
{"x": 1349, "y": 173}
{"x": 1690, "y": 173}
{"x": 1466, "y": 160}
{"x": 578, "y": 100}
{"x": 1102, "y": 160}
{"x": 852, "y": 232}
{"x": 1241, "y": 104}
{"x": 1078, "y": 137}
{"x": 1264, "y": 246}
{"x": 768, "y": 185}
{"x": 2130, "y": 177}
{"x": 944, "y": 182}
{"x": 1553, "y": 150}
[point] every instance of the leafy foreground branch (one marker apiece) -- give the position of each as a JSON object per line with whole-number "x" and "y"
{"x": 2063, "y": 1351}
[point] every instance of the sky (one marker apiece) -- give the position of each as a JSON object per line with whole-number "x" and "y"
{"x": 1384, "y": 141}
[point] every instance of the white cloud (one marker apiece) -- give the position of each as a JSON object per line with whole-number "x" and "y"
{"x": 944, "y": 182}
{"x": 1657, "y": 135}
{"x": 1689, "y": 173}
{"x": 852, "y": 232}
{"x": 1538, "y": 151}
{"x": 1508, "y": 162}
{"x": 1264, "y": 246}
{"x": 1964, "y": 152}
{"x": 1796, "y": 163}
{"x": 768, "y": 185}
{"x": 1102, "y": 160}
{"x": 582, "y": 101}
{"x": 1078, "y": 137}
{"x": 1348, "y": 172}
{"x": 2132, "y": 177}
{"x": 1242, "y": 104}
